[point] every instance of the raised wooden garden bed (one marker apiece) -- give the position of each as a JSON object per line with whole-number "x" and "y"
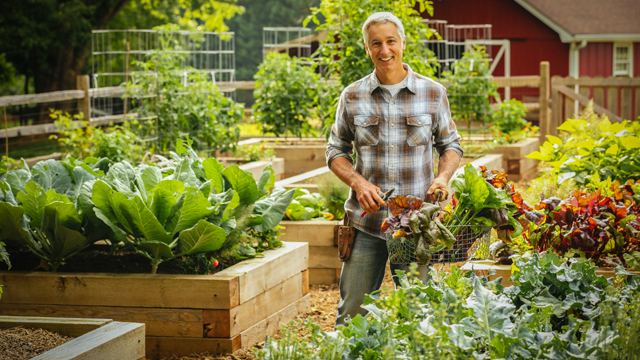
{"x": 484, "y": 267}
{"x": 300, "y": 155}
{"x": 183, "y": 314}
{"x": 94, "y": 338}
{"x": 324, "y": 264}
{"x": 514, "y": 162}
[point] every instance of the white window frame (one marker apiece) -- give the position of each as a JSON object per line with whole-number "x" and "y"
{"x": 629, "y": 46}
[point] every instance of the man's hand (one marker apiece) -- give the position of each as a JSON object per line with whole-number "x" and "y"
{"x": 441, "y": 184}
{"x": 368, "y": 195}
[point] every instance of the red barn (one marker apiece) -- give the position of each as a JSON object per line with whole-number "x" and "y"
{"x": 577, "y": 37}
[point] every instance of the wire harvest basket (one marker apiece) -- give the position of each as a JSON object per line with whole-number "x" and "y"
{"x": 472, "y": 243}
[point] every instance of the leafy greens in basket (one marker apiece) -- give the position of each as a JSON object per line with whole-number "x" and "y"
{"x": 481, "y": 199}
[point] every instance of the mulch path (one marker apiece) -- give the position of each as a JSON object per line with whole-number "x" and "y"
{"x": 20, "y": 344}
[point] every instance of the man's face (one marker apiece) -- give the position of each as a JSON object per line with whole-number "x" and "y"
{"x": 385, "y": 47}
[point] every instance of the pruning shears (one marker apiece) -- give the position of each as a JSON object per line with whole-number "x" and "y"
{"x": 383, "y": 196}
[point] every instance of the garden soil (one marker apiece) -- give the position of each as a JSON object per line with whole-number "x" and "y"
{"x": 20, "y": 344}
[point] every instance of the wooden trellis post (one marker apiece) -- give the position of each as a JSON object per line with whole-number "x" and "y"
{"x": 84, "y": 104}
{"x": 545, "y": 121}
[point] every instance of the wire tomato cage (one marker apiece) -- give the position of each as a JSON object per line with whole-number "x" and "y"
{"x": 472, "y": 243}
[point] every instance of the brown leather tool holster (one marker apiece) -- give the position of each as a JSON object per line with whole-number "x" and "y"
{"x": 343, "y": 236}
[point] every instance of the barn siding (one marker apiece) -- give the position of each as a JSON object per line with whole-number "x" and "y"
{"x": 531, "y": 40}
{"x": 596, "y": 59}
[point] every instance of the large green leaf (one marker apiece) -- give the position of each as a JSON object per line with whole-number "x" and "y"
{"x": 80, "y": 175}
{"x": 275, "y": 211}
{"x": 150, "y": 175}
{"x": 266, "y": 181}
{"x": 491, "y": 312}
{"x": 195, "y": 207}
{"x": 220, "y": 203}
{"x": 66, "y": 213}
{"x": 52, "y": 174}
{"x": 165, "y": 194}
{"x": 183, "y": 172}
{"x": 243, "y": 183}
{"x": 13, "y": 225}
{"x": 121, "y": 177}
{"x": 213, "y": 171}
{"x": 33, "y": 201}
{"x": 17, "y": 179}
{"x": 118, "y": 234}
{"x": 6, "y": 194}
{"x": 155, "y": 249}
{"x": 72, "y": 241}
{"x": 85, "y": 203}
{"x": 142, "y": 222}
{"x": 203, "y": 237}
{"x": 108, "y": 201}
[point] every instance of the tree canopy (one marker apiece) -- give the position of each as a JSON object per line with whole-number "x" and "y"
{"x": 248, "y": 28}
{"x": 50, "y": 41}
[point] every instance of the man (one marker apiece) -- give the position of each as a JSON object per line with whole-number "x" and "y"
{"x": 394, "y": 117}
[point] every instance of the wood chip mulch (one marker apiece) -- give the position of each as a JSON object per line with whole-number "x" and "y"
{"x": 20, "y": 344}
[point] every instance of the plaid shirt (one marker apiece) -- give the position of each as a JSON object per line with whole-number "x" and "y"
{"x": 393, "y": 138}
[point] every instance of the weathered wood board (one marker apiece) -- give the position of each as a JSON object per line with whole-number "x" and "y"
{"x": 114, "y": 341}
{"x": 158, "y": 321}
{"x": 181, "y": 312}
{"x": 323, "y": 253}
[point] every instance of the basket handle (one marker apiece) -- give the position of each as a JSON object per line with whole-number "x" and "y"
{"x": 440, "y": 194}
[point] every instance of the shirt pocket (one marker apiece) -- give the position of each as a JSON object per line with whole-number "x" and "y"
{"x": 419, "y": 130}
{"x": 367, "y": 130}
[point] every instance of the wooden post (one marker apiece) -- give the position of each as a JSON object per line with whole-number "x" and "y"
{"x": 6, "y": 133}
{"x": 557, "y": 107}
{"x": 126, "y": 82}
{"x": 545, "y": 121}
{"x": 84, "y": 104}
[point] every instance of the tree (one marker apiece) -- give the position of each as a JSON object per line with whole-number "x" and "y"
{"x": 248, "y": 28}
{"x": 51, "y": 41}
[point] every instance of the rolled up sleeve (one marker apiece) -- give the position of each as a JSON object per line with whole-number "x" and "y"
{"x": 446, "y": 135}
{"x": 341, "y": 138}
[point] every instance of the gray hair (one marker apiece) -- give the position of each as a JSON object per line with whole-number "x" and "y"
{"x": 379, "y": 18}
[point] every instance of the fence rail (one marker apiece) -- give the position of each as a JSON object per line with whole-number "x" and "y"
{"x": 55, "y": 96}
{"x": 617, "y": 98}
{"x": 84, "y": 94}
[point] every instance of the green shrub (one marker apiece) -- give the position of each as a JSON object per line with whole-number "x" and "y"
{"x": 287, "y": 96}
{"x": 79, "y": 139}
{"x": 254, "y": 152}
{"x": 195, "y": 107}
{"x": 591, "y": 147}
{"x": 469, "y": 87}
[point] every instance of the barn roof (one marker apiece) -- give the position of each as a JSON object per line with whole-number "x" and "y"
{"x": 592, "y": 20}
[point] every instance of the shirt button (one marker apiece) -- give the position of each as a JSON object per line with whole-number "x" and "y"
{"x": 392, "y": 103}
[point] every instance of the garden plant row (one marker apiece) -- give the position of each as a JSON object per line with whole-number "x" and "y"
{"x": 178, "y": 206}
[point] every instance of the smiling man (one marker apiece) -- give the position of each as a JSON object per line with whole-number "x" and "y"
{"x": 394, "y": 118}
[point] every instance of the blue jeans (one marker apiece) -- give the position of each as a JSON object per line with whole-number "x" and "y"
{"x": 363, "y": 274}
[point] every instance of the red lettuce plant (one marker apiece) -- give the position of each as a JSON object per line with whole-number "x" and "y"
{"x": 605, "y": 229}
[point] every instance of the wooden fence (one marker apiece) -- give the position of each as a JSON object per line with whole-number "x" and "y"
{"x": 617, "y": 98}
{"x": 84, "y": 94}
